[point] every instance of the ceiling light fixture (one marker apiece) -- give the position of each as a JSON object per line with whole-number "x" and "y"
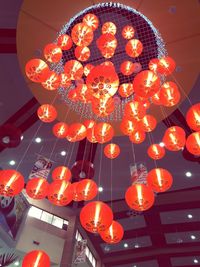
{"x": 38, "y": 140}
{"x": 196, "y": 261}
{"x": 16, "y": 263}
{"x": 188, "y": 174}
{"x": 162, "y": 144}
{"x": 125, "y": 245}
{"x": 189, "y": 216}
{"x": 100, "y": 189}
{"x": 63, "y": 153}
{"x": 12, "y": 162}
{"x": 193, "y": 237}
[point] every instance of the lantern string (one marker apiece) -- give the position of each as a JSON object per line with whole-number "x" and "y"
{"x": 100, "y": 165}
{"x": 133, "y": 152}
{"x": 111, "y": 182}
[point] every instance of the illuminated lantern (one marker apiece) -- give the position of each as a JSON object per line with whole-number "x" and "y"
{"x": 76, "y": 196}
{"x": 82, "y": 53}
{"x": 137, "y": 137}
{"x": 52, "y": 53}
{"x": 107, "y": 44}
{"x": 139, "y": 197}
{"x": 134, "y": 109}
{"x": 148, "y": 123}
{"x": 11, "y": 183}
{"x": 166, "y": 65}
{"x": 82, "y": 34}
{"x": 61, "y": 173}
{"x": 193, "y": 117}
{"x": 65, "y": 42}
{"x": 156, "y": 99}
{"x": 60, "y": 129}
{"x": 52, "y": 82}
{"x": 127, "y": 68}
{"x": 111, "y": 151}
{"x": 128, "y": 32}
{"x": 65, "y": 80}
{"x": 60, "y": 193}
{"x": 145, "y": 102}
{"x": 90, "y": 135}
{"x": 103, "y": 107}
{"x": 76, "y": 132}
{"x": 153, "y": 64}
{"x": 146, "y": 83}
{"x": 128, "y": 126}
{"x": 47, "y": 113}
{"x": 134, "y": 48}
{"x": 37, "y": 188}
{"x": 156, "y": 151}
{"x": 103, "y": 132}
{"x": 74, "y": 69}
{"x": 89, "y": 124}
{"x": 174, "y": 138}
{"x": 96, "y": 216}
{"x": 84, "y": 94}
{"x": 193, "y": 143}
{"x": 87, "y": 69}
{"x": 37, "y": 70}
{"x": 159, "y": 179}
{"x": 36, "y": 258}
{"x": 88, "y": 189}
{"x": 73, "y": 95}
{"x": 108, "y": 63}
{"x": 109, "y": 27}
{"x": 126, "y": 89}
{"x": 91, "y": 20}
{"x": 169, "y": 94}
{"x": 113, "y": 234}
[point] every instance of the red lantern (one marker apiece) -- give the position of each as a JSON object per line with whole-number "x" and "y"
{"x": 74, "y": 69}
{"x": 159, "y": 179}
{"x": 153, "y": 64}
{"x": 60, "y": 193}
{"x": 91, "y": 20}
{"x": 127, "y": 68}
{"x": 36, "y": 258}
{"x": 128, "y": 32}
{"x": 61, "y": 173}
{"x": 52, "y": 82}
{"x": 134, "y": 48}
{"x": 83, "y": 93}
{"x": 76, "y": 196}
{"x": 103, "y": 132}
{"x": 193, "y": 117}
{"x": 146, "y": 84}
{"x": 47, "y": 113}
{"x": 174, "y": 138}
{"x": 103, "y": 107}
{"x": 82, "y": 53}
{"x": 139, "y": 197}
{"x": 65, "y": 80}
{"x": 134, "y": 109}
{"x": 52, "y": 53}
{"x": 87, "y": 69}
{"x": 156, "y": 99}
{"x": 107, "y": 43}
{"x": 37, "y": 188}
{"x": 11, "y": 183}
{"x": 96, "y": 217}
{"x": 108, "y": 63}
{"x": 148, "y": 123}
{"x": 37, "y": 70}
{"x": 77, "y": 132}
{"x": 166, "y": 65}
{"x": 111, "y": 151}
{"x": 65, "y": 42}
{"x": 156, "y": 151}
{"x": 169, "y": 94}
{"x": 193, "y": 143}
{"x": 60, "y": 129}
{"x": 82, "y": 34}
{"x": 113, "y": 234}
{"x": 109, "y": 27}
{"x": 88, "y": 189}
{"x": 90, "y": 135}
{"x": 73, "y": 95}
{"x": 126, "y": 89}
{"x": 137, "y": 137}
{"x": 89, "y": 124}
{"x": 128, "y": 126}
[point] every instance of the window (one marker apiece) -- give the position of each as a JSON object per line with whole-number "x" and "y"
{"x": 35, "y": 212}
{"x": 58, "y": 222}
{"x": 46, "y": 217}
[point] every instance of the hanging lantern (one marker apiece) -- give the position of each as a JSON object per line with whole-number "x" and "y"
{"x": 36, "y": 258}
{"x": 65, "y": 80}
{"x": 52, "y": 81}
{"x": 169, "y": 94}
{"x": 82, "y": 34}
{"x": 37, "y": 70}
{"x": 139, "y": 197}
{"x": 193, "y": 117}
{"x": 104, "y": 132}
{"x": 137, "y": 137}
{"x": 174, "y": 138}
{"x": 127, "y": 68}
{"x": 134, "y": 48}
{"x": 128, "y": 126}
{"x": 37, "y": 188}
{"x": 109, "y": 27}
{"x": 91, "y": 20}
{"x": 73, "y": 95}
{"x": 90, "y": 135}
{"x": 11, "y": 183}
{"x": 111, "y": 151}
{"x": 153, "y": 64}
{"x": 156, "y": 151}
{"x": 126, "y": 89}
{"x": 103, "y": 107}
{"x": 47, "y": 113}
{"x": 83, "y": 93}
{"x": 193, "y": 143}
{"x": 60, "y": 129}
{"x": 65, "y": 42}
{"x": 53, "y": 53}
{"x": 146, "y": 83}
{"x": 89, "y": 124}
{"x": 107, "y": 44}
{"x": 128, "y": 32}
{"x": 156, "y": 99}
{"x": 73, "y": 69}
{"x": 87, "y": 69}
{"x": 76, "y": 196}
{"x": 148, "y": 123}
{"x": 145, "y": 102}
{"x": 88, "y": 189}
{"x": 60, "y": 193}
{"x": 96, "y": 216}
{"x": 134, "y": 109}
{"x": 77, "y": 132}
{"x": 108, "y": 63}
{"x": 82, "y": 53}
{"x": 166, "y": 65}
{"x": 159, "y": 179}
{"x": 61, "y": 173}
{"x": 113, "y": 234}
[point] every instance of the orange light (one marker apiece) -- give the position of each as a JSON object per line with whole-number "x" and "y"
{"x": 65, "y": 42}
{"x": 60, "y": 193}
{"x": 87, "y": 69}
{"x": 36, "y": 258}
{"x": 134, "y": 109}
{"x": 127, "y": 68}
{"x": 128, "y": 126}
{"x": 61, "y": 173}
{"x": 134, "y": 48}
{"x": 91, "y": 20}
{"x": 137, "y": 137}
{"x": 60, "y": 130}
{"x": 193, "y": 143}
{"x": 104, "y": 132}
{"x": 111, "y": 151}
{"x": 103, "y": 107}
{"x": 11, "y": 183}
{"x": 37, "y": 70}
{"x": 47, "y": 113}
{"x": 52, "y": 53}
{"x": 126, "y": 89}
{"x": 87, "y": 189}
{"x": 169, "y": 94}
{"x": 193, "y": 117}
{"x": 174, "y": 138}
{"x": 148, "y": 123}
{"x": 82, "y": 53}
{"x": 156, "y": 152}
{"x": 109, "y": 27}
{"x": 159, "y": 179}
{"x": 37, "y": 188}
{"x": 113, "y": 234}
{"x": 73, "y": 69}
{"x": 82, "y": 34}
{"x": 76, "y": 132}
{"x": 128, "y": 32}
{"x": 65, "y": 80}
{"x": 107, "y": 44}
{"x": 52, "y": 81}
{"x": 166, "y": 65}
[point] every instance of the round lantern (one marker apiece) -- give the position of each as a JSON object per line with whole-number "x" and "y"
{"x": 193, "y": 117}
{"x": 88, "y": 189}
{"x": 146, "y": 83}
{"x": 169, "y": 94}
{"x": 174, "y": 138}
{"x": 76, "y": 196}
{"x": 159, "y": 179}
{"x": 156, "y": 99}
{"x": 139, "y": 197}
{"x": 82, "y": 53}
{"x": 82, "y": 34}
{"x": 60, "y": 129}
{"x": 36, "y": 258}
{"x": 153, "y": 64}
{"x": 65, "y": 42}
{"x": 37, "y": 188}
{"x": 108, "y": 63}
{"x": 126, "y": 89}
{"x": 37, "y": 70}
{"x": 73, "y": 69}
{"x": 156, "y": 151}
{"x": 52, "y": 81}
{"x": 73, "y": 95}
{"x": 148, "y": 123}
{"x": 103, "y": 107}
{"x": 134, "y": 48}
{"x": 89, "y": 124}
{"x": 91, "y": 135}
{"x": 109, "y": 27}
{"x": 60, "y": 193}
{"x": 193, "y": 143}
{"x": 134, "y": 109}
{"x": 107, "y": 43}
{"x": 137, "y": 137}
{"x": 47, "y": 113}
{"x": 11, "y": 183}
{"x": 113, "y": 234}
{"x": 61, "y": 173}
{"x": 103, "y": 132}
{"x": 127, "y": 68}
{"x": 96, "y": 216}
{"x": 166, "y": 65}
{"x": 76, "y": 132}
{"x": 87, "y": 69}
{"x": 111, "y": 151}
{"x": 91, "y": 20}
{"x": 128, "y": 126}
{"x": 65, "y": 80}
{"x": 128, "y": 32}
{"x": 52, "y": 53}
